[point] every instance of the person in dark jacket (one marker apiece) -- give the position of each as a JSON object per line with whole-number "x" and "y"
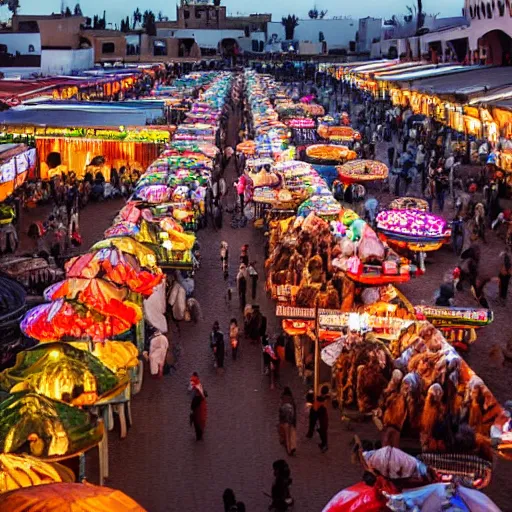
{"x": 217, "y": 345}
{"x": 323, "y": 423}
{"x": 198, "y": 406}
{"x": 281, "y": 497}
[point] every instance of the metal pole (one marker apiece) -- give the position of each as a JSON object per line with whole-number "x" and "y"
{"x": 316, "y": 376}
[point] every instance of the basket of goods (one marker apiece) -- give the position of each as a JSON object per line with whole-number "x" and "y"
{"x": 328, "y": 154}
{"x": 154, "y": 194}
{"x": 408, "y": 203}
{"x": 362, "y": 170}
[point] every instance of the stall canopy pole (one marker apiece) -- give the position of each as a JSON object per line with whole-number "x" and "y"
{"x": 317, "y": 351}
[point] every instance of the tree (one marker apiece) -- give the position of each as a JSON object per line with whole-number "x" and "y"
{"x": 216, "y": 3}
{"x": 127, "y": 23}
{"x": 78, "y": 10}
{"x": 148, "y": 23}
{"x": 321, "y": 37}
{"x": 160, "y": 16}
{"x": 322, "y": 14}
{"x": 420, "y": 20}
{"x": 313, "y": 13}
{"x": 68, "y": 12}
{"x": 289, "y": 23}
{"x": 12, "y": 5}
{"x": 137, "y": 18}
{"x": 122, "y": 28}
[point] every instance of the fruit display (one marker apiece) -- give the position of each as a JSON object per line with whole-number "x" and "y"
{"x": 362, "y": 170}
{"x": 329, "y": 153}
{"x": 412, "y": 224}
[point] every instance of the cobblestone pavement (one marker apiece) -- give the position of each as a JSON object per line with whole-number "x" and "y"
{"x": 162, "y": 466}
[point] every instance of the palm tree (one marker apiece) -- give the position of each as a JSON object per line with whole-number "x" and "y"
{"x": 289, "y": 23}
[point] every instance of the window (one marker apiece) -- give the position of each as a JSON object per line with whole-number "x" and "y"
{"x": 159, "y": 48}
{"x": 108, "y": 48}
{"x": 186, "y": 14}
{"x": 198, "y": 14}
{"x": 31, "y": 48}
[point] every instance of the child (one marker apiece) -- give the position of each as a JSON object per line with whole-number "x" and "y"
{"x": 233, "y": 337}
{"x": 224, "y": 255}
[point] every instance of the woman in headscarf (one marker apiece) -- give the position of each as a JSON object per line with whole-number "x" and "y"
{"x": 158, "y": 346}
{"x": 288, "y": 421}
{"x": 198, "y": 406}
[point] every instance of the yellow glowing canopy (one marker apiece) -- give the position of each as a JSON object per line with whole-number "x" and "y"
{"x": 17, "y": 471}
{"x": 145, "y": 255}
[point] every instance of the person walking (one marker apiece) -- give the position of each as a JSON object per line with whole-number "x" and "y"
{"x": 391, "y": 155}
{"x": 288, "y": 421}
{"x": 198, "y": 406}
{"x": 253, "y": 274}
{"x": 234, "y": 337}
{"x": 241, "y": 282}
{"x": 504, "y": 275}
{"x": 217, "y": 346}
{"x": 323, "y": 423}
{"x": 158, "y": 346}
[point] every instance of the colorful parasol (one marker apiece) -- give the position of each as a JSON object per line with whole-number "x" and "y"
{"x": 66, "y": 497}
{"x": 62, "y": 372}
{"x": 45, "y": 428}
{"x": 97, "y": 294}
{"x": 362, "y": 170}
{"x": 118, "y": 356}
{"x": 19, "y": 471}
{"x": 61, "y": 319}
{"x": 146, "y": 257}
{"x": 113, "y": 265}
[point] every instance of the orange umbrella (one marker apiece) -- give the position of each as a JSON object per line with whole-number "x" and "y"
{"x": 114, "y": 265}
{"x": 97, "y": 294}
{"x": 63, "y": 497}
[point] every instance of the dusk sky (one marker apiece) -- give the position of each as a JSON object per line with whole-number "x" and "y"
{"x": 362, "y": 8}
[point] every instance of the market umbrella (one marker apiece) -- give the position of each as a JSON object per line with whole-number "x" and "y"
{"x": 114, "y": 265}
{"x": 45, "y": 428}
{"x": 145, "y": 256}
{"x": 62, "y": 372}
{"x": 68, "y": 497}
{"x": 63, "y": 319}
{"x": 97, "y": 294}
{"x": 118, "y": 356}
{"x": 18, "y": 471}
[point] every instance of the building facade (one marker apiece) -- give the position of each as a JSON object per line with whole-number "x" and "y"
{"x": 45, "y": 45}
